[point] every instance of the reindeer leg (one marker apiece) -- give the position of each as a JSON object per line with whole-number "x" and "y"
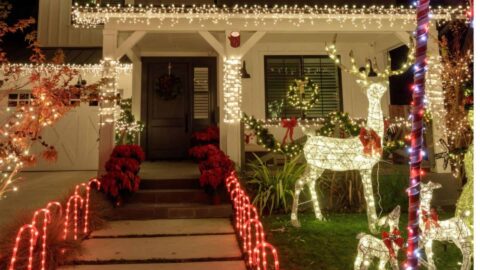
{"x": 313, "y": 193}
{"x": 369, "y": 199}
{"x": 298, "y": 188}
{"x": 382, "y": 263}
{"x": 358, "y": 261}
{"x": 466, "y": 249}
{"x": 429, "y": 254}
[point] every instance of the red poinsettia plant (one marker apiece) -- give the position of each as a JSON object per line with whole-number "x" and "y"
{"x": 214, "y": 165}
{"x": 122, "y": 168}
{"x": 210, "y": 135}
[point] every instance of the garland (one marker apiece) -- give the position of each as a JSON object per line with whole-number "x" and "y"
{"x": 296, "y": 94}
{"x": 267, "y": 140}
{"x": 340, "y": 121}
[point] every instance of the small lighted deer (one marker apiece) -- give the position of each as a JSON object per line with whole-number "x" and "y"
{"x": 452, "y": 230}
{"x": 385, "y": 249}
{"x": 343, "y": 154}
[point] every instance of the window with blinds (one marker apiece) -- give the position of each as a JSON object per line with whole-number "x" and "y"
{"x": 281, "y": 71}
{"x": 200, "y": 93}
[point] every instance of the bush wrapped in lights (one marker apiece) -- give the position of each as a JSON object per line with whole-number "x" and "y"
{"x": 122, "y": 179}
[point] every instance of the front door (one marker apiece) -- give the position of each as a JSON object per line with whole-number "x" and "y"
{"x": 178, "y": 98}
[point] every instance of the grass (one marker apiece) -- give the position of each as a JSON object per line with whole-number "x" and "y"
{"x": 332, "y": 245}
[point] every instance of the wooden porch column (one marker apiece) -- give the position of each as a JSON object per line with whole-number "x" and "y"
{"x": 106, "y": 132}
{"x": 435, "y": 96}
{"x": 230, "y": 98}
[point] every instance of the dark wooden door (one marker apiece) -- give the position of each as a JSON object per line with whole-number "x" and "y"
{"x": 171, "y": 121}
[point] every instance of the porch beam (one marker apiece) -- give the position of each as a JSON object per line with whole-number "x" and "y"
{"x": 133, "y": 55}
{"x": 245, "y": 47}
{"x": 212, "y": 41}
{"x": 129, "y": 43}
{"x": 404, "y": 37}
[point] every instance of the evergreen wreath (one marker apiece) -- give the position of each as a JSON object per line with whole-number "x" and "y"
{"x": 168, "y": 87}
{"x": 296, "y": 94}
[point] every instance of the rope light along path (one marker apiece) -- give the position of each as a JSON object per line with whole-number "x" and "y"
{"x": 416, "y": 134}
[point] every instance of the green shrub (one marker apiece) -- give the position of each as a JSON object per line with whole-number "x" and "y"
{"x": 273, "y": 187}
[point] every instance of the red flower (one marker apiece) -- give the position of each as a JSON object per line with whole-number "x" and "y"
{"x": 209, "y": 135}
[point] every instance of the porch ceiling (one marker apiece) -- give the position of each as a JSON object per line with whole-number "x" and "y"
{"x": 194, "y": 43}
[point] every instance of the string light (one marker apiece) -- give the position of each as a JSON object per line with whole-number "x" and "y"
{"x": 453, "y": 230}
{"x": 232, "y": 90}
{"x": 46, "y": 220}
{"x": 336, "y": 154}
{"x": 359, "y": 16}
{"x": 32, "y": 242}
{"x": 386, "y": 249}
{"x": 77, "y": 199}
{"x": 95, "y": 69}
{"x": 246, "y": 215}
{"x": 109, "y": 109}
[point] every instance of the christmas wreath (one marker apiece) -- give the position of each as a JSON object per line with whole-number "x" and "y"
{"x": 297, "y": 94}
{"x": 169, "y": 87}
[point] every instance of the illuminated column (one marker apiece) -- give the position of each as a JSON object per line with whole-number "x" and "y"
{"x": 107, "y": 131}
{"x": 435, "y": 98}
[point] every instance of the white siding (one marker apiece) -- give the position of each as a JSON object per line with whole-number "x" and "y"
{"x": 55, "y": 28}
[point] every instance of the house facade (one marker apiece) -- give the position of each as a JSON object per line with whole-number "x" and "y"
{"x": 216, "y": 81}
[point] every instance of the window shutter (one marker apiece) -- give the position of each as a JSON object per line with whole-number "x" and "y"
{"x": 200, "y": 93}
{"x": 282, "y": 70}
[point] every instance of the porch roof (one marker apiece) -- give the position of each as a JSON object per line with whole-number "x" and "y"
{"x": 260, "y": 18}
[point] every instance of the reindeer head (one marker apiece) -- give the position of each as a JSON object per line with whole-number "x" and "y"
{"x": 426, "y": 192}
{"x": 391, "y": 219}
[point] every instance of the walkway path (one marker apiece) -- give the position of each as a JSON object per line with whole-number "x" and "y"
{"x": 168, "y": 224}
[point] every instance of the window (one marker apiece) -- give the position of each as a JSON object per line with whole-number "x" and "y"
{"x": 281, "y": 71}
{"x": 19, "y": 99}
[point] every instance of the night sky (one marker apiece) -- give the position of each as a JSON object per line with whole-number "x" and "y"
{"x": 21, "y": 9}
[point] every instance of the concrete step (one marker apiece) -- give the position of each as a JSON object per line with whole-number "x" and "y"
{"x": 142, "y": 211}
{"x": 174, "y": 196}
{"x": 182, "y": 183}
{"x": 159, "y": 249}
{"x": 170, "y": 196}
{"x": 215, "y": 265}
{"x": 170, "y": 227}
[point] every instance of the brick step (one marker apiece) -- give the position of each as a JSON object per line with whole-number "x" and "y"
{"x": 173, "y": 196}
{"x": 142, "y": 211}
{"x": 187, "y": 183}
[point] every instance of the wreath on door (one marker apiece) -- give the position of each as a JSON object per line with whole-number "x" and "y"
{"x": 168, "y": 86}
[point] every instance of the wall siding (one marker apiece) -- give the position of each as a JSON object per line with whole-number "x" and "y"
{"x": 55, "y": 28}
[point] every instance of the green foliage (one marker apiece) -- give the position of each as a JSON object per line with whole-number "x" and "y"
{"x": 393, "y": 188}
{"x": 126, "y": 128}
{"x": 332, "y": 244}
{"x": 274, "y": 187}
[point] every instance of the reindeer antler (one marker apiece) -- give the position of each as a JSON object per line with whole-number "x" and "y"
{"x": 354, "y": 70}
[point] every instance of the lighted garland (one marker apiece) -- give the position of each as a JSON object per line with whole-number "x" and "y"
{"x": 341, "y": 120}
{"x": 267, "y": 140}
{"x": 297, "y": 91}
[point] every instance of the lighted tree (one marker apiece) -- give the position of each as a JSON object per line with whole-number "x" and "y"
{"x": 52, "y": 87}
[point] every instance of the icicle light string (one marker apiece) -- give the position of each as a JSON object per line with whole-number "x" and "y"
{"x": 90, "y": 16}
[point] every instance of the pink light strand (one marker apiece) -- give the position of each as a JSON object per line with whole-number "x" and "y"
{"x": 87, "y": 203}
{"x": 263, "y": 246}
{"x": 76, "y": 198}
{"x": 33, "y": 241}
{"x": 47, "y": 218}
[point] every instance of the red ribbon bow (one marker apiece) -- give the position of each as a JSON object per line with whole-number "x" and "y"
{"x": 290, "y": 125}
{"x": 389, "y": 239}
{"x": 371, "y": 141}
{"x": 429, "y": 218}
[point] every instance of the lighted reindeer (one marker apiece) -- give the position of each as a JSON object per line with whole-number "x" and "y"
{"x": 385, "y": 249}
{"x": 452, "y": 230}
{"x": 356, "y": 153}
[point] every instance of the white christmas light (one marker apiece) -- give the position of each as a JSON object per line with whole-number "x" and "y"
{"x": 109, "y": 108}
{"x": 359, "y": 16}
{"x": 370, "y": 247}
{"x": 232, "y": 90}
{"x": 344, "y": 154}
{"x": 453, "y": 230}
{"x": 95, "y": 69}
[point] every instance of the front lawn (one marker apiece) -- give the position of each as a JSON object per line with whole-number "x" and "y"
{"x": 332, "y": 244}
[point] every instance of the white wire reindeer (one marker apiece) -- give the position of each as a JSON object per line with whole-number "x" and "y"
{"x": 452, "y": 230}
{"x": 385, "y": 249}
{"x": 358, "y": 153}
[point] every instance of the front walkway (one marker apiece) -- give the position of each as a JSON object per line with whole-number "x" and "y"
{"x": 168, "y": 224}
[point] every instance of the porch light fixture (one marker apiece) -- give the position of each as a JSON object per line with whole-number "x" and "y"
{"x": 244, "y": 71}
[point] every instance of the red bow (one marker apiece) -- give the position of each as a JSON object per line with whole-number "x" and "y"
{"x": 371, "y": 141}
{"x": 392, "y": 238}
{"x": 289, "y": 124}
{"x": 431, "y": 217}
{"x": 248, "y": 137}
